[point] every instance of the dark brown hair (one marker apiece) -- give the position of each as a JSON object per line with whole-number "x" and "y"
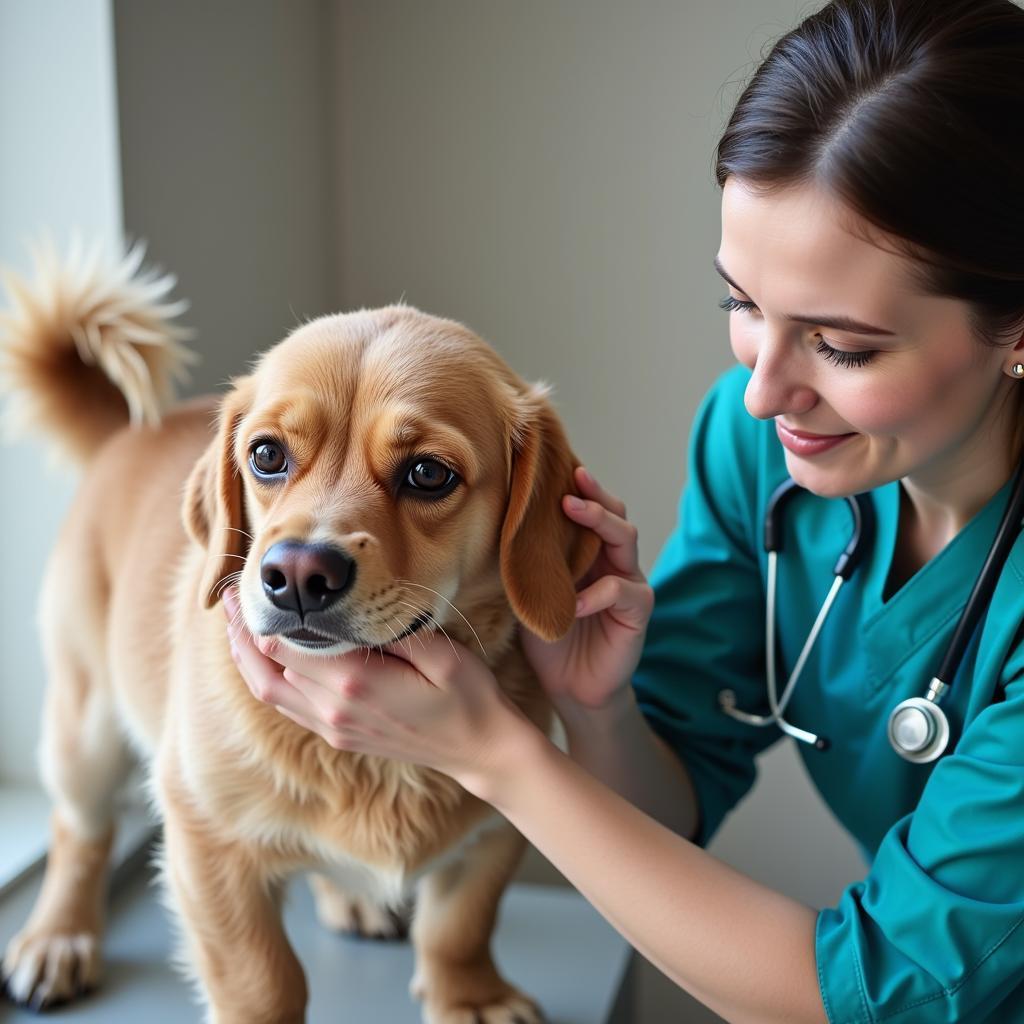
{"x": 912, "y": 113}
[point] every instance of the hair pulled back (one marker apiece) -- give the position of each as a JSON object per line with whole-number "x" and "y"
{"x": 912, "y": 113}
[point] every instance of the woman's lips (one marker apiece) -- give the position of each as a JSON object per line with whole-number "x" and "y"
{"x": 801, "y": 443}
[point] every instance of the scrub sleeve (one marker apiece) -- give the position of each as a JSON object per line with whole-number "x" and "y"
{"x": 934, "y": 932}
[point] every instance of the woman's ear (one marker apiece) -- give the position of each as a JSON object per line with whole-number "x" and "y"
{"x": 213, "y": 509}
{"x": 542, "y": 551}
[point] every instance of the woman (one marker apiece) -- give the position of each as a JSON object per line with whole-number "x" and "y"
{"x": 872, "y": 226}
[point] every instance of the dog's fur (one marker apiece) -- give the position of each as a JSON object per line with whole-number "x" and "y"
{"x": 138, "y": 658}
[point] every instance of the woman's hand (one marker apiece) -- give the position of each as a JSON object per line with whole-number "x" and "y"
{"x": 430, "y": 702}
{"x": 591, "y": 666}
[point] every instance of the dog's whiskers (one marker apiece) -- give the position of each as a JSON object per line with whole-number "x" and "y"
{"x": 224, "y": 554}
{"x": 227, "y": 581}
{"x": 449, "y": 639}
{"x": 231, "y": 578}
{"x": 456, "y": 610}
{"x": 237, "y": 620}
{"x": 393, "y": 633}
{"x": 419, "y": 612}
{"x": 398, "y": 639}
{"x": 417, "y": 633}
{"x": 431, "y": 620}
{"x": 235, "y": 529}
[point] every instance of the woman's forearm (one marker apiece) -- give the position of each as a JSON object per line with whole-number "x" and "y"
{"x": 742, "y": 949}
{"x": 616, "y": 745}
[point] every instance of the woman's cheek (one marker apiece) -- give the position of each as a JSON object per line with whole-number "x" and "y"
{"x": 881, "y": 408}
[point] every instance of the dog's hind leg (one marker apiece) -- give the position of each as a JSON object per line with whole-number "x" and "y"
{"x": 353, "y": 913}
{"x": 456, "y": 909}
{"x": 84, "y": 760}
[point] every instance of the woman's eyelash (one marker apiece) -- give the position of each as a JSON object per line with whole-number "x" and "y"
{"x": 731, "y": 305}
{"x": 841, "y": 358}
{"x": 833, "y": 355}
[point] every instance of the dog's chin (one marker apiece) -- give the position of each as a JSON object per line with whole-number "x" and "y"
{"x": 309, "y": 641}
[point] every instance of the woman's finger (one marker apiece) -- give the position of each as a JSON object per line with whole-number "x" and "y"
{"x": 629, "y": 602}
{"x": 590, "y": 488}
{"x": 315, "y": 724}
{"x": 305, "y": 701}
{"x": 264, "y": 678}
{"x": 435, "y": 660}
{"x": 619, "y": 535}
{"x": 311, "y": 724}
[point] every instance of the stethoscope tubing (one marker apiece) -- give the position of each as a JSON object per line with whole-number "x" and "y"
{"x": 918, "y": 728}
{"x": 985, "y": 585}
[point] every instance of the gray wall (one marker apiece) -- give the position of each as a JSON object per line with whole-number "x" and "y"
{"x": 59, "y": 171}
{"x": 227, "y": 164}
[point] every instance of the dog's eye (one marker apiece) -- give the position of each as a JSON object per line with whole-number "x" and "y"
{"x": 429, "y": 475}
{"x": 268, "y": 459}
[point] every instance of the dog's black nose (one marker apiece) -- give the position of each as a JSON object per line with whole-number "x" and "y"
{"x": 305, "y": 577}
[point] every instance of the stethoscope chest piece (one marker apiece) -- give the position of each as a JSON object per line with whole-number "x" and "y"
{"x": 918, "y": 730}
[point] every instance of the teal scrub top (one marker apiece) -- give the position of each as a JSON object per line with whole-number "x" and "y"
{"x": 933, "y": 933}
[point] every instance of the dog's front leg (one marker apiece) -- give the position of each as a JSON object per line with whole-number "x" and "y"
{"x": 456, "y": 908}
{"x": 56, "y": 956}
{"x": 230, "y": 913}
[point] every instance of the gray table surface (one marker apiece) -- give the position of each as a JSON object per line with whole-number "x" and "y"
{"x": 549, "y": 942}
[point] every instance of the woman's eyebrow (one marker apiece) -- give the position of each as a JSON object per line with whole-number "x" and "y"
{"x": 838, "y": 323}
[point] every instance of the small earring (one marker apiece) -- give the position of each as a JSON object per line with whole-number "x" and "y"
{"x": 1017, "y": 369}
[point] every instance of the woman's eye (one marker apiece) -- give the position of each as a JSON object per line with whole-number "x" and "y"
{"x": 429, "y": 475}
{"x": 268, "y": 459}
{"x": 834, "y": 355}
{"x": 841, "y": 358}
{"x": 733, "y": 305}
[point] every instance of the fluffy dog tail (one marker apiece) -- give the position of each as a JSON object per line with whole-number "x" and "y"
{"x": 88, "y": 347}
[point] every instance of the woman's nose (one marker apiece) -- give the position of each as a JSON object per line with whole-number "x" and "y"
{"x": 778, "y": 383}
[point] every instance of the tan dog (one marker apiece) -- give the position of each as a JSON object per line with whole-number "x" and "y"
{"x": 374, "y": 473}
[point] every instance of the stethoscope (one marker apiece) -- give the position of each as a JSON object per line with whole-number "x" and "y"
{"x": 918, "y": 728}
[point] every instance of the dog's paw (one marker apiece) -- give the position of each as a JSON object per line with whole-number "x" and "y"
{"x": 366, "y": 919}
{"x": 353, "y": 914}
{"x": 42, "y": 970}
{"x": 512, "y": 1008}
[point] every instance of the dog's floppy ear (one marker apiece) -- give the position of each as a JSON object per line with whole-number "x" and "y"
{"x": 543, "y": 552}
{"x": 212, "y": 509}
